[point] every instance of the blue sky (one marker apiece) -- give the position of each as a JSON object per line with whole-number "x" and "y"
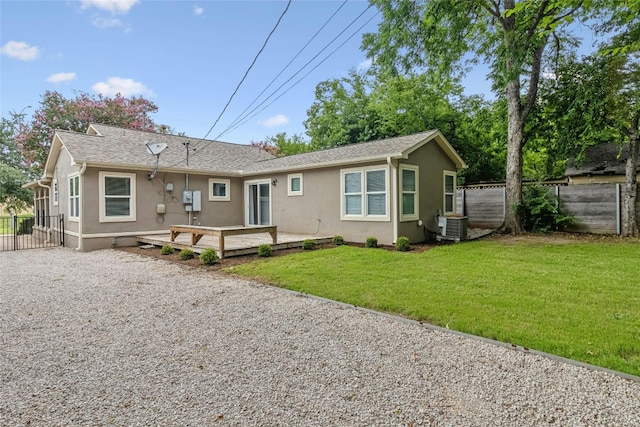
{"x": 185, "y": 56}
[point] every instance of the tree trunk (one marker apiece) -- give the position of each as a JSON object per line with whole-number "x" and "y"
{"x": 629, "y": 212}
{"x": 515, "y": 142}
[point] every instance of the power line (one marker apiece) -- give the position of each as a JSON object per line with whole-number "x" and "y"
{"x": 249, "y": 69}
{"x": 241, "y": 120}
{"x": 249, "y": 117}
{"x": 233, "y": 123}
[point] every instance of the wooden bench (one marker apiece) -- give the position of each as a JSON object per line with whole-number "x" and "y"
{"x": 197, "y": 231}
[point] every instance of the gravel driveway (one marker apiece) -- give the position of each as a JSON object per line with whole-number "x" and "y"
{"x": 112, "y": 338}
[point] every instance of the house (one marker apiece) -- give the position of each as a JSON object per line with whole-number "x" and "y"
{"x": 602, "y": 164}
{"x": 114, "y": 184}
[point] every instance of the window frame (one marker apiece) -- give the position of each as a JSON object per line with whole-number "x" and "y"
{"x": 416, "y": 214}
{"x": 454, "y": 175}
{"x": 56, "y": 192}
{"x": 74, "y": 193}
{"x": 364, "y": 216}
{"x": 102, "y": 216}
{"x": 226, "y": 197}
{"x": 290, "y": 191}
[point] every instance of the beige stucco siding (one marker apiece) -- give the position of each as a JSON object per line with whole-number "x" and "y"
{"x": 64, "y": 168}
{"x": 431, "y": 162}
{"x": 317, "y": 211}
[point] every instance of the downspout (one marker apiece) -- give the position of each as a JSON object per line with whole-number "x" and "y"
{"x": 186, "y": 188}
{"x": 394, "y": 204}
{"x": 82, "y": 169}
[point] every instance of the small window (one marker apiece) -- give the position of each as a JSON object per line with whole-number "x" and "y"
{"x": 55, "y": 192}
{"x": 295, "y": 184}
{"x": 409, "y": 192}
{"x": 117, "y": 197}
{"x": 219, "y": 190}
{"x": 449, "y": 192}
{"x": 74, "y": 197}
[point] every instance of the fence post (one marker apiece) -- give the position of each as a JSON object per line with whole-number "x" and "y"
{"x": 618, "y": 213}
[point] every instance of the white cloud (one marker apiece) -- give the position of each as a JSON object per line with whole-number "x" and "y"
{"x": 365, "y": 65}
{"x": 197, "y": 10}
{"x": 114, "y": 6}
{"x": 61, "y": 77}
{"x": 275, "y": 121}
{"x": 20, "y": 50}
{"x": 102, "y": 22}
{"x": 125, "y": 87}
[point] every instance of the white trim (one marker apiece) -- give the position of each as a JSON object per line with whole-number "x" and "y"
{"x": 246, "y": 200}
{"x": 56, "y": 192}
{"x": 363, "y": 186}
{"x": 444, "y": 191}
{"x": 226, "y": 197}
{"x": 291, "y": 192}
{"x": 102, "y": 216}
{"x": 125, "y": 234}
{"x": 74, "y": 218}
{"x": 416, "y": 195}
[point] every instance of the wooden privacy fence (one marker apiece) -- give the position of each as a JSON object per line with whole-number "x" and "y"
{"x": 596, "y": 207}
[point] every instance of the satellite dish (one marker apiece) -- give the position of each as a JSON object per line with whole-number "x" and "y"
{"x": 156, "y": 148}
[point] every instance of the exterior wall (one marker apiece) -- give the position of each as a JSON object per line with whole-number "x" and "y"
{"x": 317, "y": 211}
{"x": 432, "y": 162}
{"x": 63, "y": 169}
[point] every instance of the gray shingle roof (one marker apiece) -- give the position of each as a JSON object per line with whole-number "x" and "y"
{"x": 354, "y": 153}
{"x": 601, "y": 159}
{"x": 126, "y": 148}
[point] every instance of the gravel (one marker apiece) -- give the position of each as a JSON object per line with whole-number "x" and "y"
{"x": 113, "y": 338}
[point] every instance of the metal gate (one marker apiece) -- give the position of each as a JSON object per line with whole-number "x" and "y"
{"x": 31, "y": 232}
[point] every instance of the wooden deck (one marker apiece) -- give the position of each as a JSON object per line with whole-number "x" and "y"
{"x": 234, "y": 245}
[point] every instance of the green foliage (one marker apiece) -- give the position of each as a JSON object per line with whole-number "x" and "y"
{"x": 186, "y": 254}
{"x": 402, "y": 244}
{"x": 371, "y": 242}
{"x": 560, "y": 297}
{"x": 338, "y": 240}
{"x": 25, "y": 224}
{"x": 540, "y": 210}
{"x": 308, "y": 244}
{"x": 208, "y": 257}
{"x": 265, "y": 250}
{"x": 167, "y": 250}
{"x": 12, "y": 195}
{"x": 281, "y": 145}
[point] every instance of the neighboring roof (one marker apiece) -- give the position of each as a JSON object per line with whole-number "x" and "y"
{"x": 601, "y": 159}
{"x": 104, "y": 145}
{"x": 398, "y": 147}
{"x": 109, "y": 146}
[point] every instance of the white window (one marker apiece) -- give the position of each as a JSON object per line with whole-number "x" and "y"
{"x": 219, "y": 190}
{"x": 55, "y": 192}
{"x": 74, "y": 197}
{"x": 364, "y": 194}
{"x": 294, "y": 187}
{"x": 449, "y": 192}
{"x": 409, "y": 192}
{"x": 117, "y": 196}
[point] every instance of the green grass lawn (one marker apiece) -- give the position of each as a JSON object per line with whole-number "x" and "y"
{"x": 579, "y": 300}
{"x": 5, "y": 223}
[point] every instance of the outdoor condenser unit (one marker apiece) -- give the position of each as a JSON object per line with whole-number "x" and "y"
{"x": 453, "y": 228}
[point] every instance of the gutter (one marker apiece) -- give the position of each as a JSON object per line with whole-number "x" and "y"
{"x": 82, "y": 169}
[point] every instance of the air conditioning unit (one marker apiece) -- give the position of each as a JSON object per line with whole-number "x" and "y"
{"x": 453, "y": 228}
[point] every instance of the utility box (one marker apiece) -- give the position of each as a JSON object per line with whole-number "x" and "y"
{"x": 196, "y": 204}
{"x": 453, "y": 228}
{"x": 187, "y": 197}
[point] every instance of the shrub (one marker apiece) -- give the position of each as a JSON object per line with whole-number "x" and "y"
{"x": 186, "y": 254}
{"x": 167, "y": 250}
{"x": 265, "y": 250}
{"x": 308, "y": 245}
{"x": 402, "y": 244}
{"x": 540, "y": 210}
{"x": 371, "y": 242}
{"x": 338, "y": 240}
{"x": 208, "y": 257}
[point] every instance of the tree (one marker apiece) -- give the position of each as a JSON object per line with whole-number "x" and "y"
{"x": 281, "y": 145}
{"x": 57, "y": 112}
{"x": 363, "y": 107}
{"x": 435, "y": 36}
{"x": 13, "y": 174}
